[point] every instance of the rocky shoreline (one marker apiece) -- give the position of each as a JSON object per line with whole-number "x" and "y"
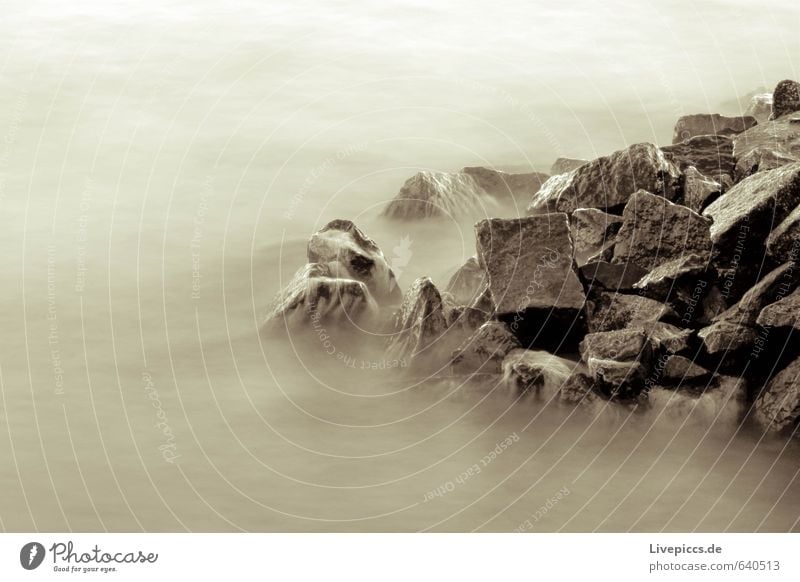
{"x": 650, "y": 275}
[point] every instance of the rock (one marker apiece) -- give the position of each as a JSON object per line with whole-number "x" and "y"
{"x": 351, "y": 254}
{"x": 440, "y": 194}
{"x": 674, "y": 280}
{"x": 655, "y": 231}
{"x": 777, "y": 284}
{"x": 314, "y": 299}
{"x": 608, "y": 182}
{"x": 617, "y": 379}
{"x": 419, "y": 325}
{"x": 592, "y": 230}
{"x": 680, "y": 369}
{"x": 667, "y": 337}
{"x": 577, "y": 389}
{"x": 698, "y": 190}
{"x": 618, "y": 361}
{"x": 690, "y": 126}
{"x": 760, "y": 107}
{"x": 777, "y": 408}
{"x": 614, "y": 277}
{"x": 745, "y": 215}
{"x": 724, "y": 336}
{"x": 563, "y": 165}
{"x": 783, "y": 313}
{"x": 530, "y": 274}
{"x": 535, "y": 371}
{"x": 783, "y": 243}
{"x": 785, "y": 98}
{"x": 767, "y": 146}
{"x": 467, "y": 283}
{"x": 485, "y": 350}
{"x": 516, "y": 189}
{"x": 721, "y": 403}
{"x": 712, "y": 155}
{"x": 610, "y": 311}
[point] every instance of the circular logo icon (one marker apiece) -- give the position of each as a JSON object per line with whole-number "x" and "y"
{"x": 31, "y": 555}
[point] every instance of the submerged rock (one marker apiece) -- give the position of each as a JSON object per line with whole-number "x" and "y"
{"x": 592, "y": 231}
{"x": 690, "y": 126}
{"x": 349, "y": 253}
{"x": 563, "y": 165}
{"x": 485, "y": 350}
{"x": 785, "y": 98}
{"x": 535, "y": 371}
{"x": 722, "y": 402}
{"x": 777, "y": 408}
{"x": 608, "y": 182}
{"x": 767, "y": 146}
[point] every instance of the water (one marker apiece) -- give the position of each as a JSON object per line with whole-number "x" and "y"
{"x": 160, "y": 171}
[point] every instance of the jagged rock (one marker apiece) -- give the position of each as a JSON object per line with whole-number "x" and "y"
{"x": 785, "y": 98}
{"x": 783, "y": 243}
{"x": 722, "y": 402}
{"x": 767, "y": 146}
{"x": 512, "y": 188}
{"x": 690, "y": 126}
{"x": 440, "y": 194}
{"x": 614, "y": 277}
{"x": 655, "y": 231}
{"x": 760, "y": 106}
{"x": 783, "y": 313}
{"x": 608, "y": 182}
{"x": 578, "y": 389}
{"x": 485, "y": 350}
{"x": 419, "y": 325}
{"x": 530, "y": 273}
{"x": 673, "y": 280}
{"x": 667, "y": 337}
{"x": 314, "y": 299}
{"x": 777, "y": 408}
{"x": 535, "y": 371}
{"x": 618, "y": 361}
{"x": 610, "y": 311}
{"x": 467, "y": 283}
{"x": 777, "y": 284}
{"x": 351, "y": 254}
{"x": 681, "y": 369}
{"x": 749, "y": 211}
{"x": 712, "y": 306}
{"x": 698, "y": 190}
{"x": 724, "y": 336}
{"x": 563, "y": 165}
{"x": 617, "y": 379}
{"x": 712, "y": 155}
{"x": 592, "y": 230}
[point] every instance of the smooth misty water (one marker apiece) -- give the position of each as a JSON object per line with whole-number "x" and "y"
{"x": 146, "y": 150}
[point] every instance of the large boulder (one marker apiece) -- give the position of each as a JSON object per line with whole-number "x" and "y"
{"x": 712, "y": 155}
{"x": 690, "y": 126}
{"x": 777, "y": 408}
{"x": 592, "y": 231}
{"x": 349, "y": 253}
{"x": 530, "y": 274}
{"x": 440, "y": 194}
{"x": 316, "y": 298}
{"x": 675, "y": 281}
{"x": 724, "y": 337}
{"x": 785, "y": 98}
{"x": 655, "y": 231}
{"x": 563, "y": 165}
{"x": 610, "y": 311}
{"x": 609, "y": 181}
{"x": 536, "y": 371}
{"x": 485, "y": 350}
{"x": 767, "y": 146}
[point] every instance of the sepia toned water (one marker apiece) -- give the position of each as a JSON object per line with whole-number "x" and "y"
{"x": 161, "y": 168}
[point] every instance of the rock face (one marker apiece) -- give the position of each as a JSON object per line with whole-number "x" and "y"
{"x": 612, "y": 311}
{"x": 608, "y": 182}
{"x": 439, "y": 194}
{"x": 752, "y": 208}
{"x": 485, "y": 350}
{"x": 785, "y": 98}
{"x": 526, "y": 371}
{"x": 777, "y": 408}
{"x": 467, "y": 283}
{"x": 690, "y": 126}
{"x": 656, "y": 231}
{"x": 783, "y": 313}
{"x": 618, "y": 361}
{"x": 315, "y": 298}
{"x": 349, "y": 253}
{"x": 514, "y": 188}
{"x": 563, "y": 165}
{"x": 530, "y": 271}
{"x": 767, "y": 146}
{"x": 698, "y": 190}
{"x": 592, "y": 231}
{"x": 712, "y": 155}
{"x": 760, "y": 107}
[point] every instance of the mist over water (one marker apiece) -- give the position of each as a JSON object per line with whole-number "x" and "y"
{"x": 161, "y": 169}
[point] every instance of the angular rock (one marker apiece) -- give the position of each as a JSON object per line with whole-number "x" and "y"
{"x": 760, "y": 107}
{"x": 592, "y": 230}
{"x": 578, "y": 389}
{"x": 563, "y": 165}
{"x": 618, "y": 361}
{"x": 712, "y": 155}
{"x": 530, "y": 273}
{"x": 777, "y": 284}
{"x": 656, "y": 231}
{"x": 667, "y": 337}
{"x": 485, "y": 350}
{"x": 614, "y": 277}
{"x": 623, "y": 345}
{"x": 698, "y": 190}
{"x": 777, "y": 408}
{"x": 510, "y": 188}
{"x": 610, "y": 311}
{"x": 617, "y": 379}
{"x": 440, "y": 194}
{"x": 767, "y": 146}
{"x": 785, "y": 98}
{"x": 690, "y": 126}
{"x": 673, "y": 280}
{"x": 681, "y": 369}
{"x": 351, "y": 254}
{"x": 535, "y": 371}
{"x": 608, "y": 182}
{"x": 784, "y": 313}
{"x": 783, "y": 243}
{"x": 751, "y": 209}
{"x": 724, "y": 336}
{"x": 467, "y": 283}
